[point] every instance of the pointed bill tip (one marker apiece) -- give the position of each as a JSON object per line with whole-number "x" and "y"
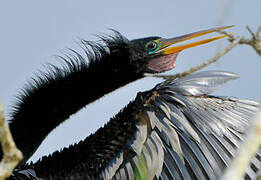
{"x": 165, "y": 43}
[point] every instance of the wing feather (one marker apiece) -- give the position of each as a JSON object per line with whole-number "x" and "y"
{"x": 188, "y": 133}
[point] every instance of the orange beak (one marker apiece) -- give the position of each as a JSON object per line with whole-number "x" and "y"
{"x": 165, "y": 44}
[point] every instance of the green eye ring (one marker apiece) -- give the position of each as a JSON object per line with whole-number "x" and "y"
{"x": 151, "y": 46}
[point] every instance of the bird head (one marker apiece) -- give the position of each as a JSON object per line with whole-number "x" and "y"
{"x": 156, "y": 54}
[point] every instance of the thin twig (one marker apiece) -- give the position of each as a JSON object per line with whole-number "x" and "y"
{"x": 221, "y": 20}
{"x": 251, "y": 32}
{"x": 251, "y": 145}
{"x": 229, "y": 35}
{"x": 11, "y": 155}
{"x": 258, "y": 32}
{"x": 201, "y": 66}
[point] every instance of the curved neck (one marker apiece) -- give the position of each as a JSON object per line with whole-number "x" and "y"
{"x": 86, "y": 159}
{"x": 62, "y": 93}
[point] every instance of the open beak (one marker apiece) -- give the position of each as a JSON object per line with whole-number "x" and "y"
{"x": 165, "y": 43}
{"x": 169, "y": 53}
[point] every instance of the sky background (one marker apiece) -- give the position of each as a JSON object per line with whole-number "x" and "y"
{"x": 32, "y": 32}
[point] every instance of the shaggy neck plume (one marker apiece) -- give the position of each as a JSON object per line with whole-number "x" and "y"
{"x": 51, "y": 99}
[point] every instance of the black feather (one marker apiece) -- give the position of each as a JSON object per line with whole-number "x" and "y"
{"x": 52, "y": 97}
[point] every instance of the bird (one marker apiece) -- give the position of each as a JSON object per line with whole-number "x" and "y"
{"x": 176, "y": 130}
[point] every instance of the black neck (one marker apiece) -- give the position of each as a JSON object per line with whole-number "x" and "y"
{"x": 63, "y": 92}
{"x": 86, "y": 159}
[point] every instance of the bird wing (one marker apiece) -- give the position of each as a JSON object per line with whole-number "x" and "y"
{"x": 174, "y": 131}
{"x": 184, "y": 133}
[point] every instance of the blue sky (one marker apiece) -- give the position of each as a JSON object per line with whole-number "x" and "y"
{"x": 31, "y": 32}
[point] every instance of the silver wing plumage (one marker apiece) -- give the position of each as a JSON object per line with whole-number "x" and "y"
{"x": 185, "y": 133}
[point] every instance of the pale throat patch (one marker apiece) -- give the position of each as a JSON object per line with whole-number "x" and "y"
{"x": 163, "y": 63}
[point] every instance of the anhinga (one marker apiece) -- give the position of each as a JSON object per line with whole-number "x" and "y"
{"x": 174, "y": 131}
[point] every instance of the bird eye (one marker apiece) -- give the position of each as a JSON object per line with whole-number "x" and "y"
{"x": 151, "y": 46}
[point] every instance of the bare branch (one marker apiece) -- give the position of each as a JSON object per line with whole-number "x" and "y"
{"x": 221, "y": 20}
{"x": 255, "y": 41}
{"x": 258, "y": 32}
{"x": 11, "y": 155}
{"x": 251, "y": 32}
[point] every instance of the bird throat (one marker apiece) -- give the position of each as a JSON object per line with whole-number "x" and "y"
{"x": 163, "y": 63}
